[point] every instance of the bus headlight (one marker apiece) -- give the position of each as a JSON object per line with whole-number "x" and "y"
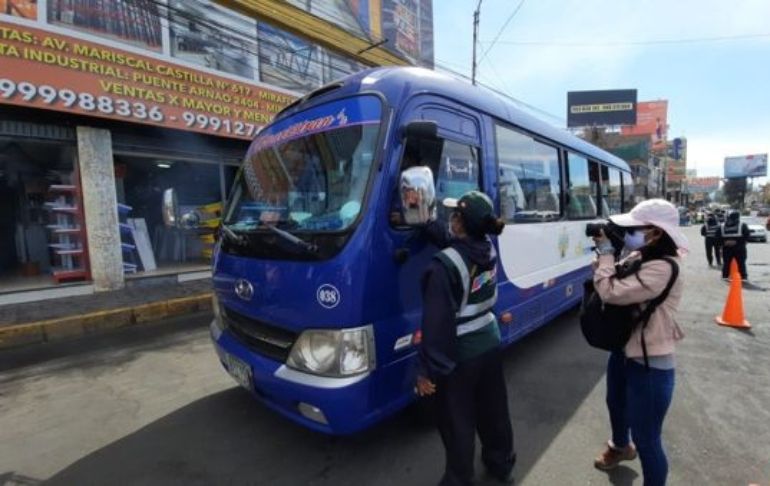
{"x": 342, "y": 352}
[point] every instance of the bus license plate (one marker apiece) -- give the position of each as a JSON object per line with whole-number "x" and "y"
{"x": 239, "y": 370}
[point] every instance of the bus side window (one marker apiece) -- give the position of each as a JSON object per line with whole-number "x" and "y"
{"x": 455, "y": 168}
{"x": 628, "y": 192}
{"x": 528, "y": 178}
{"x": 457, "y": 173}
{"x": 611, "y": 191}
{"x": 582, "y": 193}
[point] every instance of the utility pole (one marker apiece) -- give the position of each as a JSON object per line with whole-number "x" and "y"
{"x": 475, "y": 41}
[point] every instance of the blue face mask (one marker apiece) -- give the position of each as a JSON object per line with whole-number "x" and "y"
{"x": 634, "y": 241}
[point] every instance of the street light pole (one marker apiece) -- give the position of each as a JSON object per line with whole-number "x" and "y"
{"x": 475, "y": 37}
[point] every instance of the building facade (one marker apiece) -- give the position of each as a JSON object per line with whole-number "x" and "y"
{"x": 105, "y": 104}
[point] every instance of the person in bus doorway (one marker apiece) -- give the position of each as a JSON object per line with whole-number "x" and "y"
{"x": 639, "y": 394}
{"x": 733, "y": 235}
{"x": 461, "y": 349}
{"x": 709, "y": 233}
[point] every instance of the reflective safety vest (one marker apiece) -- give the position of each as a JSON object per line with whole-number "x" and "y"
{"x": 479, "y": 292}
{"x": 711, "y": 229}
{"x": 731, "y": 231}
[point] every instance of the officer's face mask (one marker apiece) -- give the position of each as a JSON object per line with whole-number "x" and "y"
{"x": 634, "y": 239}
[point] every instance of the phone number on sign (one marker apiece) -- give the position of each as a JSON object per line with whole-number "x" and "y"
{"x": 109, "y": 106}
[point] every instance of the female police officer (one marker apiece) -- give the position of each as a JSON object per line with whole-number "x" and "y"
{"x": 460, "y": 352}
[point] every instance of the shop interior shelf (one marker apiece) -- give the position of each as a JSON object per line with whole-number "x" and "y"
{"x": 63, "y": 246}
{"x": 60, "y": 229}
{"x": 72, "y": 251}
{"x": 127, "y": 246}
{"x": 124, "y": 208}
{"x": 60, "y": 274}
{"x": 64, "y": 209}
{"x": 62, "y": 187}
{"x": 125, "y": 227}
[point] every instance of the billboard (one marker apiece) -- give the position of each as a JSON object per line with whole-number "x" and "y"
{"x": 703, "y": 184}
{"x": 611, "y": 107}
{"x": 746, "y": 166}
{"x": 196, "y": 36}
{"x": 71, "y": 70}
{"x": 652, "y": 120}
{"x": 406, "y": 26}
{"x": 676, "y": 162}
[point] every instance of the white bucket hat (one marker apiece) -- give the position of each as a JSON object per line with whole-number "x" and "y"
{"x": 655, "y": 212}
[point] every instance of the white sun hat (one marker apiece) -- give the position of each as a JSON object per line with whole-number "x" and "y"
{"x": 655, "y": 212}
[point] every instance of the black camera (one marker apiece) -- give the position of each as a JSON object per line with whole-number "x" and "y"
{"x": 615, "y": 233}
{"x": 594, "y": 230}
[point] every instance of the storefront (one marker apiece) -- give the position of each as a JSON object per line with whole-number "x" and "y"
{"x": 43, "y": 221}
{"x": 104, "y": 109}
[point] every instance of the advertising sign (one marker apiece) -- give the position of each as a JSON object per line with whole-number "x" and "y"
{"x": 703, "y": 184}
{"x": 407, "y": 25}
{"x": 746, "y": 166}
{"x": 41, "y": 67}
{"x": 652, "y": 120}
{"x": 612, "y": 107}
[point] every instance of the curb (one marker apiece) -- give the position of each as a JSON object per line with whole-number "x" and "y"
{"x": 100, "y": 321}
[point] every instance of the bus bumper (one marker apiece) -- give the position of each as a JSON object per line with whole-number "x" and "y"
{"x": 329, "y": 405}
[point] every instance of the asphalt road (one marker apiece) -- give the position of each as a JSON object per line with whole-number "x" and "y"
{"x": 153, "y": 406}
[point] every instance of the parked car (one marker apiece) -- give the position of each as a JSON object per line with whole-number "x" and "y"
{"x": 758, "y": 232}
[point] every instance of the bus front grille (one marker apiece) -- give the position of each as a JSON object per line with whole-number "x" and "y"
{"x": 265, "y": 339}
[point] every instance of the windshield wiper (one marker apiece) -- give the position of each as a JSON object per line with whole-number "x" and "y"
{"x": 298, "y": 242}
{"x": 233, "y": 236}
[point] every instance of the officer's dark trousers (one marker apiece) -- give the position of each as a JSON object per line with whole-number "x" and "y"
{"x": 712, "y": 244}
{"x": 473, "y": 399}
{"x": 738, "y": 252}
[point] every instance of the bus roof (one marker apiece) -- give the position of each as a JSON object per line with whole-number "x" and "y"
{"x": 398, "y": 84}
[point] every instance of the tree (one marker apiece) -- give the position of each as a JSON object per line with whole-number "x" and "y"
{"x": 735, "y": 191}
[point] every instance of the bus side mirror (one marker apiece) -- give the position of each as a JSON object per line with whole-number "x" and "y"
{"x": 418, "y": 196}
{"x": 170, "y": 208}
{"x": 421, "y": 130}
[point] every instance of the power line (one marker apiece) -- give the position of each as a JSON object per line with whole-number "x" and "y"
{"x": 500, "y": 32}
{"x": 693, "y": 40}
{"x": 521, "y": 104}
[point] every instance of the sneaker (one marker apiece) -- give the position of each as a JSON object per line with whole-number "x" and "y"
{"x": 611, "y": 457}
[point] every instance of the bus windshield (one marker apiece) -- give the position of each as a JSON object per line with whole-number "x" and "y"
{"x": 308, "y": 172}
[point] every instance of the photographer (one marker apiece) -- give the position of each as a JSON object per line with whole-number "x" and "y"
{"x": 638, "y": 397}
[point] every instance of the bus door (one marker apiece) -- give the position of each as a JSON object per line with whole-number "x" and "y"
{"x": 455, "y": 160}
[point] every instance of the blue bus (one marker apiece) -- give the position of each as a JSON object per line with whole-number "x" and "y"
{"x": 316, "y": 275}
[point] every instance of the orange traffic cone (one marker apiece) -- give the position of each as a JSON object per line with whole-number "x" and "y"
{"x": 732, "y": 315}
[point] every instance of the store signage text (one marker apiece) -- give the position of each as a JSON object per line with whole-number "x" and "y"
{"x": 48, "y": 70}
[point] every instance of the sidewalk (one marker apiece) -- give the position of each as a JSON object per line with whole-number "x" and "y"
{"x": 50, "y": 320}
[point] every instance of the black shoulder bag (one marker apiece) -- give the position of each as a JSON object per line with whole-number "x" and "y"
{"x": 608, "y": 326}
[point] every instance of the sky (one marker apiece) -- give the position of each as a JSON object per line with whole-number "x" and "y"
{"x": 718, "y": 90}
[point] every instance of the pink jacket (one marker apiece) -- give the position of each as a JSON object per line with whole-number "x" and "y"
{"x": 662, "y": 331}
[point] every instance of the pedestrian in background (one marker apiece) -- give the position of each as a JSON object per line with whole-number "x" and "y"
{"x": 732, "y": 236}
{"x": 460, "y": 352}
{"x": 709, "y": 232}
{"x": 639, "y": 393}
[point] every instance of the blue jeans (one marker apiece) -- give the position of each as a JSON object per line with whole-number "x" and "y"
{"x": 638, "y": 400}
